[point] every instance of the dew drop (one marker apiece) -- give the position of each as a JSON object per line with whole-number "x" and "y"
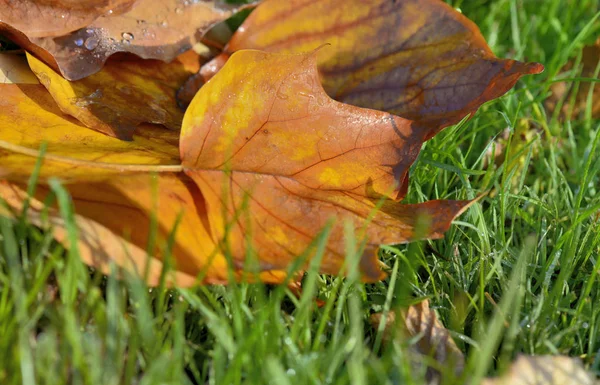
{"x": 127, "y": 36}
{"x": 125, "y": 42}
{"x": 91, "y": 43}
{"x": 78, "y": 42}
{"x": 164, "y": 23}
{"x": 109, "y": 12}
{"x": 178, "y": 11}
{"x": 89, "y": 30}
{"x": 291, "y": 372}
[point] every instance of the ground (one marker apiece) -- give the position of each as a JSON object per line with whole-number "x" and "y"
{"x": 516, "y": 274}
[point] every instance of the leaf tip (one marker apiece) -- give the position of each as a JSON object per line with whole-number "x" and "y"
{"x": 534, "y": 68}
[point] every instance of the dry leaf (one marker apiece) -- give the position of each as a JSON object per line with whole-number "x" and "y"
{"x": 43, "y": 18}
{"x": 29, "y": 117}
{"x": 562, "y": 92}
{"x": 419, "y": 59}
{"x": 151, "y": 30}
{"x": 515, "y": 156}
{"x": 545, "y": 370}
{"x": 126, "y": 92}
{"x": 434, "y": 339}
{"x": 283, "y": 159}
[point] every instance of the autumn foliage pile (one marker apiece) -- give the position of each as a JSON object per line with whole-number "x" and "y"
{"x": 308, "y": 118}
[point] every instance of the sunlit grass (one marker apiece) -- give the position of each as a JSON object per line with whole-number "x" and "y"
{"x": 516, "y": 274}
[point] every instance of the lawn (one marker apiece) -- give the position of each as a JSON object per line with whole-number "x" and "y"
{"x": 516, "y": 274}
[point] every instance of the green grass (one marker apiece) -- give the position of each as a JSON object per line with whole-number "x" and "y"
{"x": 516, "y": 274}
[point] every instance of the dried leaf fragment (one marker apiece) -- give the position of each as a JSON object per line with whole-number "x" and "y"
{"x": 544, "y": 370}
{"x": 434, "y": 339}
{"x": 419, "y": 59}
{"x": 264, "y": 141}
{"x": 573, "y": 100}
{"x": 125, "y": 93}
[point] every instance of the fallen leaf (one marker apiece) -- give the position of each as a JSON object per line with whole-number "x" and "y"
{"x": 126, "y": 92}
{"x": 419, "y": 59}
{"x": 513, "y": 152}
{"x": 29, "y": 117}
{"x": 572, "y": 99}
{"x": 544, "y": 370}
{"x": 151, "y": 30}
{"x": 43, "y": 18}
{"x": 434, "y": 340}
{"x": 282, "y": 159}
{"x": 343, "y": 166}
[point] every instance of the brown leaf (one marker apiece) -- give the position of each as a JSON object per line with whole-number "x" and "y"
{"x": 572, "y": 99}
{"x": 44, "y": 18}
{"x": 544, "y": 370}
{"x": 434, "y": 339}
{"x": 126, "y": 92}
{"x": 419, "y": 59}
{"x": 264, "y": 142}
{"x": 151, "y": 30}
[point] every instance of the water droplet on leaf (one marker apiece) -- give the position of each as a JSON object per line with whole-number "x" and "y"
{"x": 127, "y": 36}
{"x": 91, "y": 43}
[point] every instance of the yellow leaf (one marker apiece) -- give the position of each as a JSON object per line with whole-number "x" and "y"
{"x": 29, "y": 117}
{"x": 126, "y": 92}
